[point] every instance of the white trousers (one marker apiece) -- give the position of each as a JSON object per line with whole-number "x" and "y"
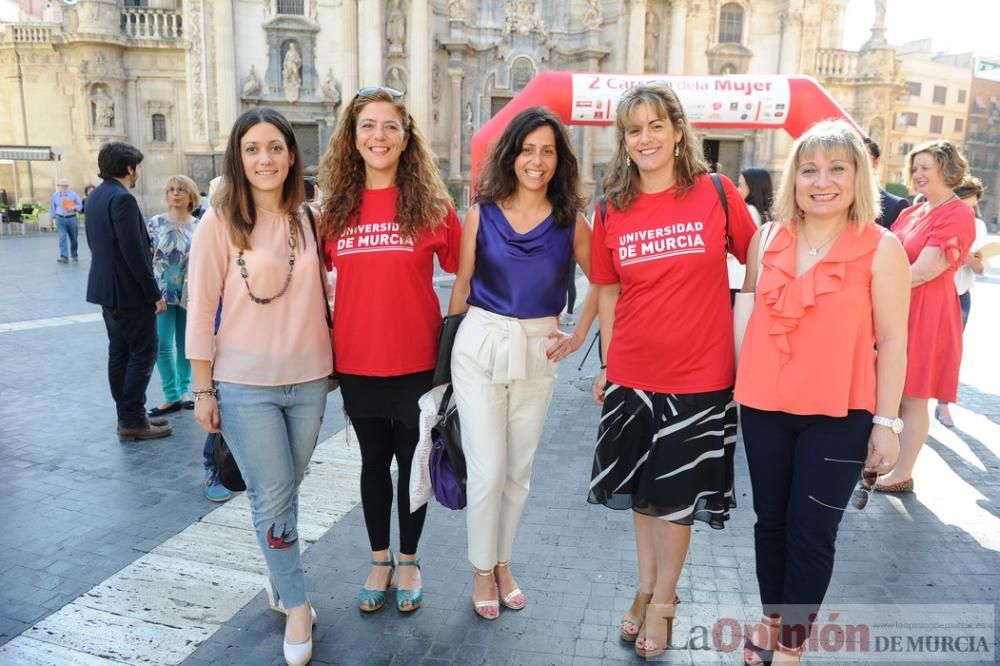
{"x": 503, "y": 384}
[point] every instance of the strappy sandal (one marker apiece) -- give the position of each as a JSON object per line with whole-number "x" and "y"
{"x": 635, "y": 615}
{"x": 792, "y": 652}
{"x": 370, "y": 600}
{"x": 516, "y": 599}
{"x": 488, "y": 610}
{"x": 408, "y": 600}
{"x": 755, "y": 655}
{"x": 658, "y": 627}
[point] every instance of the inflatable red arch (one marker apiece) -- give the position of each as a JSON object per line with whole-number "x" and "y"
{"x": 791, "y": 103}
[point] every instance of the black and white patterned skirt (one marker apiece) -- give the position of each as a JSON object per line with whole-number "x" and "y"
{"x": 666, "y": 455}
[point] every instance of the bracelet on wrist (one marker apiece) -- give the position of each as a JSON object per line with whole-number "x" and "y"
{"x": 201, "y": 395}
{"x": 604, "y": 366}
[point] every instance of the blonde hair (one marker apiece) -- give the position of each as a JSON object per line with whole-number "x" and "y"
{"x": 829, "y": 136}
{"x": 621, "y": 178}
{"x": 194, "y": 197}
{"x": 953, "y": 165}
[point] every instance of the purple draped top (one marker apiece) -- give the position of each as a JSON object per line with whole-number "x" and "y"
{"x": 520, "y": 275}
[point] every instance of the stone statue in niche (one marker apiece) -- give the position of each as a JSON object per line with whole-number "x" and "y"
{"x": 291, "y": 76}
{"x": 468, "y": 118}
{"x": 396, "y": 78}
{"x": 652, "y": 33}
{"x": 103, "y": 109}
{"x": 593, "y": 18}
{"x": 395, "y": 29}
{"x": 251, "y": 85}
{"x": 435, "y": 84}
{"x": 331, "y": 90}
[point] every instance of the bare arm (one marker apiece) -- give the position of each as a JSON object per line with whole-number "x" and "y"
{"x": 206, "y": 410}
{"x": 607, "y": 299}
{"x": 458, "y": 302}
{"x": 930, "y": 263}
{"x": 567, "y": 344}
{"x": 890, "y": 292}
{"x": 753, "y": 254}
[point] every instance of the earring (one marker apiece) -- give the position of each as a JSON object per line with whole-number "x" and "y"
{"x": 628, "y": 161}
{"x": 677, "y": 150}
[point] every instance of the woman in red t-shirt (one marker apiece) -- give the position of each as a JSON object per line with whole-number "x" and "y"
{"x": 668, "y": 430}
{"x": 385, "y": 215}
{"x": 937, "y": 236}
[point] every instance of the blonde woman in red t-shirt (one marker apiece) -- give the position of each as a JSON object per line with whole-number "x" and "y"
{"x": 386, "y": 215}
{"x": 668, "y": 429}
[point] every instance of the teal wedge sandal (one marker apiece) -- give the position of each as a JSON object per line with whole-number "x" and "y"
{"x": 370, "y": 601}
{"x": 408, "y": 600}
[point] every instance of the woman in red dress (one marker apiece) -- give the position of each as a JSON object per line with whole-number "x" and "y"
{"x": 936, "y": 235}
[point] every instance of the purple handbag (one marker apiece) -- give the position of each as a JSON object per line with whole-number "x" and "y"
{"x": 447, "y": 462}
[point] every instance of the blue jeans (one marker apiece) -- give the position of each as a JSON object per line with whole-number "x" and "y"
{"x": 69, "y": 230}
{"x": 965, "y": 300}
{"x": 175, "y": 369}
{"x": 272, "y": 431}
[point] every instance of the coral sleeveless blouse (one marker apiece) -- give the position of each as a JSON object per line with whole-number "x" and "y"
{"x": 809, "y": 347}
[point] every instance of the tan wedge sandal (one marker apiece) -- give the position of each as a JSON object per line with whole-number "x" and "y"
{"x": 635, "y": 616}
{"x": 659, "y": 628}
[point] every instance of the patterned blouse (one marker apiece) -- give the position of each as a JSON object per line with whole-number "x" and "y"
{"x": 171, "y": 244}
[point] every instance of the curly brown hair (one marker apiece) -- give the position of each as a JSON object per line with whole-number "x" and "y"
{"x": 498, "y": 180}
{"x": 621, "y": 178}
{"x": 423, "y": 200}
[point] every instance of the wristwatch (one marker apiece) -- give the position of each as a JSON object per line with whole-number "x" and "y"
{"x": 896, "y": 424}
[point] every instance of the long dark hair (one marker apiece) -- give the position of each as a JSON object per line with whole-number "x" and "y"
{"x": 498, "y": 180}
{"x": 235, "y": 197}
{"x": 761, "y": 191}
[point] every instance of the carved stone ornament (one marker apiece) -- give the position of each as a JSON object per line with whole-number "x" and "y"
{"x": 251, "y": 85}
{"x": 102, "y": 108}
{"x": 395, "y": 29}
{"x": 593, "y": 18}
{"x": 456, "y": 9}
{"x": 395, "y": 77}
{"x": 436, "y": 84}
{"x": 523, "y": 18}
{"x": 331, "y": 90}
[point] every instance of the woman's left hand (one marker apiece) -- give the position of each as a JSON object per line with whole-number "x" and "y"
{"x": 565, "y": 344}
{"x": 883, "y": 450}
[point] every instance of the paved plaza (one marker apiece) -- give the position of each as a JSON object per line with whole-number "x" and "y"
{"x": 111, "y": 554}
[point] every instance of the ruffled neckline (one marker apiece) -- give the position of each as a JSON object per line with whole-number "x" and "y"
{"x": 788, "y": 297}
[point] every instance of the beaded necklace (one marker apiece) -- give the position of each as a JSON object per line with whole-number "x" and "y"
{"x": 242, "y": 263}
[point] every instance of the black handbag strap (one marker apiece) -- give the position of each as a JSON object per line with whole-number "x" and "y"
{"x": 445, "y": 399}
{"x": 322, "y": 264}
{"x": 725, "y": 207}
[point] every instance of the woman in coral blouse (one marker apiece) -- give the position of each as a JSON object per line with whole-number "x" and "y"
{"x": 937, "y": 236}
{"x": 822, "y": 361}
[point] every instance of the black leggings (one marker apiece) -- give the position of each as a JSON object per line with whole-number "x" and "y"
{"x": 380, "y": 440}
{"x": 803, "y": 470}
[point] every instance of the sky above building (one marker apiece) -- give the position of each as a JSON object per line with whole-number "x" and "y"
{"x": 954, "y": 26}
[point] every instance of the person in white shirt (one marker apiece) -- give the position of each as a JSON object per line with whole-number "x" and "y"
{"x": 970, "y": 191}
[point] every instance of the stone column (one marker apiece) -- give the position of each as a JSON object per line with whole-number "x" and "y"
{"x": 371, "y": 25}
{"x": 635, "y": 61}
{"x": 226, "y": 85}
{"x": 455, "y": 145}
{"x": 678, "y": 35}
{"x": 349, "y": 48}
{"x": 419, "y": 47}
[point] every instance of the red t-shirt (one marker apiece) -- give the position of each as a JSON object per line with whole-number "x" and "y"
{"x": 673, "y": 330}
{"x": 386, "y": 314}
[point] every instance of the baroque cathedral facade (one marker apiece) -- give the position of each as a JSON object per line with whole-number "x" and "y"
{"x": 171, "y": 76}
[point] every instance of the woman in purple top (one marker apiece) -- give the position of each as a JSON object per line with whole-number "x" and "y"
{"x": 516, "y": 247}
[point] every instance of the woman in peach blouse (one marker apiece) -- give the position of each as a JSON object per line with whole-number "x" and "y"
{"x": 818, "y": 404}
{"x": 262, "y": 378}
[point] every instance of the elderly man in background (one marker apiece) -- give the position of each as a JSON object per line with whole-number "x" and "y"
{"x": 63, "y": 208}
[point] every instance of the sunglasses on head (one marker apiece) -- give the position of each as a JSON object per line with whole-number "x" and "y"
{"x": 863, "y": 493}
{"x": 368, "y": 91}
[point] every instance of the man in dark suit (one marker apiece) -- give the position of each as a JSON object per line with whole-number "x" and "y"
{"x": 121, "y": 281}
{"x": 892, "y": 205}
